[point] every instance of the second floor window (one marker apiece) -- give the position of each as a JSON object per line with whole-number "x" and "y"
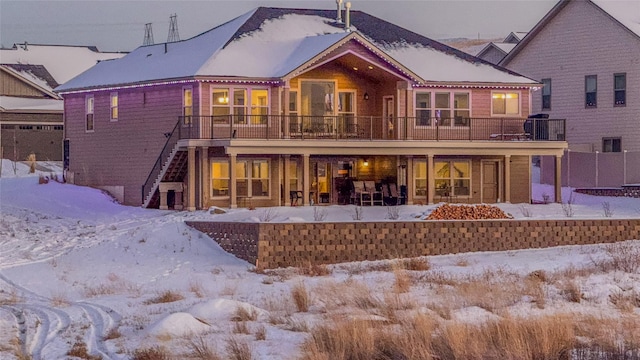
{"x": 233, "y": 101}
{"x": 546, "y": 94}
{"x": 619, "y": 89}
{"x": 89, "y": 126}
{"x": 505, "y": 103}
{"x": 442, "y": 108}
{"x": 591, "y": 91}
{"x": 114, "y": 106}
{"x": 187, "y": 102}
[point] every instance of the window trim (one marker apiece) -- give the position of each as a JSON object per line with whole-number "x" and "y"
{"x": 184, "y": 106}
{"x": 221, "y": 161}
{"x": 542, "y": 95}
{"x": 250, "y": 178}
{"x": 432, "y": 107}
{"x": 451, "y": 178}
{"x": 595, "y": 104}
{"x": 505, "y": 115}
{"x": 114, "y": 95}
{"x": 612, "y": 139}
{"x": 624, "y": 90}
{"x": 89, "y": 111}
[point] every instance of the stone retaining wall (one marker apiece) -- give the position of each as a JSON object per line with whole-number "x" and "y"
{"x": 272, "y": 245}
{"x": 625, "y": 190}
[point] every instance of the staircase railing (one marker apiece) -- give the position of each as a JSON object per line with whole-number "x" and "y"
{"x": 172, "y": 140}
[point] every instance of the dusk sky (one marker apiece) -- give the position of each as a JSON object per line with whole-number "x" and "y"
{"x": 119, "y": 25}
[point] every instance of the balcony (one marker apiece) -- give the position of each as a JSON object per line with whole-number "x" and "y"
{"x": 369, "y": 128}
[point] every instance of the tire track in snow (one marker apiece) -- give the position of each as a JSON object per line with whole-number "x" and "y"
{"x": 102, "y": 320}
{"x": 21, "y": 326}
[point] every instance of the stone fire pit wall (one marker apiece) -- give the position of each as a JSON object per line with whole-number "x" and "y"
{"x": 272, "y": 245}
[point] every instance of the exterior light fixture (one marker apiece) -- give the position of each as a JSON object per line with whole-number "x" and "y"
{"x": 365, "y": 163}
{"x": 366, "y": 96}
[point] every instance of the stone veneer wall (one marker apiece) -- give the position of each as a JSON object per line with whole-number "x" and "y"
{"x": 271, "y": 245}
{"x": 625, "y": 190}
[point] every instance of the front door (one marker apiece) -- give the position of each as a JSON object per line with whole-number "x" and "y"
{"x": 388, "y": 113}
{"x": 490, "y": 177}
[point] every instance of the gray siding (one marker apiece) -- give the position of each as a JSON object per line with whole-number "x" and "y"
{"x": 492, "y": 55}
{"x": 582, "y": 40}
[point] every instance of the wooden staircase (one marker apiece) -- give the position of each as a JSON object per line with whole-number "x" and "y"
{"x": 174, "y": 169}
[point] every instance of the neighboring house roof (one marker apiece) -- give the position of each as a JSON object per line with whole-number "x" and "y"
{"x": 35, "y": 76}
{"x": 63, "y": 62}
{"x": 515, "y": 37}
{"x": 269, "y": 43}
{"x": 19, "y": 104}
{"x": 504, "y": 48}
{"x": 624, "y": 12}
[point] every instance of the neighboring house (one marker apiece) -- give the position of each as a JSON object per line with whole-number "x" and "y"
{"x": 587, "y": 55}
{"x": 30, "y": 113}
{"x": 494, "y": 52}
{"x": 31, "y": 117}
{"x": 291, "y": 104}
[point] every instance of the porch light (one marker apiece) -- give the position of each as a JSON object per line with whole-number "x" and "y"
{"x": 355, "y": 68}
{"x": 365, "y": 163}
{"x": 370, "y": 67}
{"x": 366, "y": 96}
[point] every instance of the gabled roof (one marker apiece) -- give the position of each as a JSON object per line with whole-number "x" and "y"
{"x": 63, "y": 62}
{"x": 515, "y": 37}
{"x": 503, "y": 48}
{"x": 35, "y": 76}
{"x": 624, "y": 12}
{"x": 269, "y": 43}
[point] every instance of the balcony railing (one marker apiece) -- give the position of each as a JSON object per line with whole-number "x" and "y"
{"x": 346, "y": 127}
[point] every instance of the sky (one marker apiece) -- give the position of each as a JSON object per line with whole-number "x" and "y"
{"x": 120, "y": 25}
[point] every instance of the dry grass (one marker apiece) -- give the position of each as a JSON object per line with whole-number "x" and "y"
{"x": 622, "y": 256}
{"x": 59, "y": 299}
{"x": 166, "y": 296}
{"x": 402, "y": 282}
{"x": 625, "y": 301}
{"x": 238, "y": 349}
{"x": 244, "y": 313}
{"x": 416, "y": 264}
{"x": 301, "y": 297}
{"x": 112, "y": 334}
{"x": 154, "y": 353}
{"x": 200, "y": 349}
{"x": 261, "y": 333}
{"x": 309, "y": 269}
{"x": 570, "y": 291}
{"x": 240, "y": 327}
{"x": 79, "y": 350}
{"x": 9, "y": 298}
{"x": 422, "y": 338}
{"x": 197, "y": 289}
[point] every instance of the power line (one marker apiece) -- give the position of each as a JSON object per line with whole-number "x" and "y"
{"x": 173, "y": 29}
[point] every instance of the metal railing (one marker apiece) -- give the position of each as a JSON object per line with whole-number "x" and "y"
{"x": 172, "y": 140}
{"x": 266, "y": 127}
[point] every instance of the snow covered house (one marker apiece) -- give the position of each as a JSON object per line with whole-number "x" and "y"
{"x": 494, "y": 52}
{"x": 282, "y": 106}
{"x": 31, "y": 113}
{"x": 587, "y": 55}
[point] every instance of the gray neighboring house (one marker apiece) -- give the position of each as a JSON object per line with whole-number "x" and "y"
{"x": 587, "y": 55}
{"x": 494, "y": 52}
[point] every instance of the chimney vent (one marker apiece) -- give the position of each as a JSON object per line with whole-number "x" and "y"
{"x": 347, "y": 16}
{"x": 339, "y": 11}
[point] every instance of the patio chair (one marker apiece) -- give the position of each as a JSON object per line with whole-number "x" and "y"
{"x": 374, "y": 195}
{"x": 359, "y": 194}
{"x": 389, "y": 197}
{"x": 395, "y": 197}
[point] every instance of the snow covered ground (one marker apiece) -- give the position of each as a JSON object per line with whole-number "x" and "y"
{"x": 76, "y": 268}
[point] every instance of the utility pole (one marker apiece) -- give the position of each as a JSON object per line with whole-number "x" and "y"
{"x": 173, "y": 29}
{"x": 148, "y": 35}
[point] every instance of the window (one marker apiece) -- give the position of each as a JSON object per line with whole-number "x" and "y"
{"x": 252, "y": 178}
{"x": 461, "y": 111}
{"x": 505, "y": 103}
{"x": 619, "y": 89}
{"x": 233, "y": 101}
{"x": 259, "y": 106}
{"x": 445, "y": 105}
{"x": 114, "y": 106}
{"x": 89, "y": 114}
{"x": 187, "y": 104}
{"x": 453, "y": 178}
{"x": 591, "y": 91}
{"x": 546, "y": 94}
{"x": 423, "y": 109}
{"x": 219, "y": 178}
{"x": 347, "y": 110}
{"x": 611, "y": 145}
{"x": 420, "y": 178}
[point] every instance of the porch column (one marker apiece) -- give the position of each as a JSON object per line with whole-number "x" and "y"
{"x": 410, "y": 189}
{"x": 163, "y": 200}
{"x": 558, "y": 179}
{"x": 507, "y": 178}
{"x": 233, "y": 202}
{"x": 431, "y": 181}
{"x": 191, "y": 165}
{"x": 306, "y": 181}
{"x": 205, "y": 187}
{"x": 287, "y": 183}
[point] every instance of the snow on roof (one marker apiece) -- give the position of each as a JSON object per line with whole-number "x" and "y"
{"x": 627, "y": 12}
{"x": 506, "y": 47}
{"x": 62, "y": 62}
{"x": 11, "y": 103}
{"x": 433, "y": 65}
{"x": 276, "y": 47}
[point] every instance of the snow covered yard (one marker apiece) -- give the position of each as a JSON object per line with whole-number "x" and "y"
{"x": 83, "y": 276}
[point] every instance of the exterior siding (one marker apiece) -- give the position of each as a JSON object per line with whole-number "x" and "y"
{"x": 492, "y": 55}
{"x": 44, "y": 142}
{"x": 582, "y": 40}
{"x": 9, "y": 85}
{"x": 122, "y": 152}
